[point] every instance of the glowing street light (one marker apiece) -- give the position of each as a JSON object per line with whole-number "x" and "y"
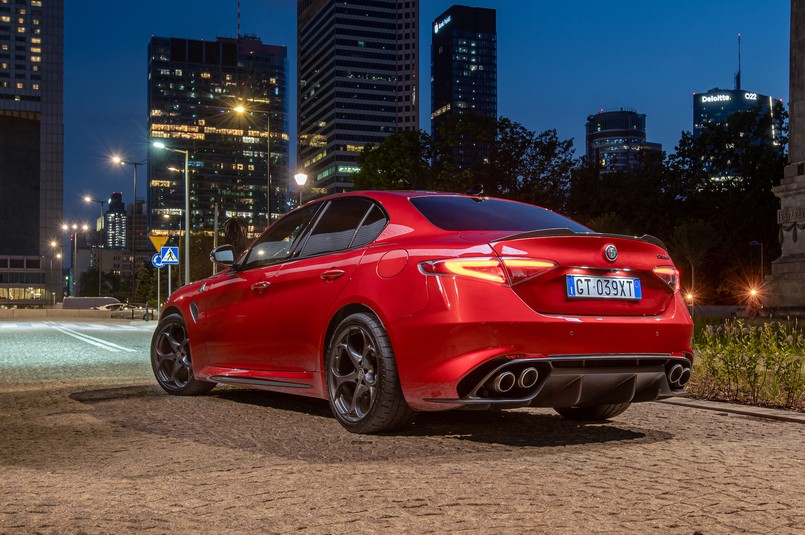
{"x": 241, "y": 110}
{"x": 300, "y": 178}
{"x": 134, "y": 163}
{"x": 160, "y": 145}
{"x": 75, "y": 228}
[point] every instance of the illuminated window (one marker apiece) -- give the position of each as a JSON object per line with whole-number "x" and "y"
{"x": 5, "y": 18}
{"x": 20, "y": 85}
{"x": 20, "y": 29}
{"x": 20, "y": 20}
{"x": 36, "y": 3}
{"x": 35, "y": 87}
{"x": 36, "y": 40}
{"x": 22, "y": 11}
{"x": 178, "y": 72}
{"x": 36, "y": 59}
{"x": 4, "y": 46}
{"x": 205, "y": 75}
{"x": 36, "y": 50}
{"x": 3, "y": 65}
{"x": 35, "y": 21}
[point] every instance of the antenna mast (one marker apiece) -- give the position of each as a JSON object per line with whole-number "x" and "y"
{"x": 239, "y": 19}
{"x": 738, "y": 75}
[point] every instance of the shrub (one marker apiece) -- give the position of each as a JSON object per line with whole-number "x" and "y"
{"x": 761, "y": 364}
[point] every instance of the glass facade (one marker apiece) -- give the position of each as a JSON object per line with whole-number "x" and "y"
{"x": 358, "y": 82}
{"x": 31, "y": 143}
{"x": 464, "y": 69}
{"x": 616, "y": 140}
{"x": 717, "y": 105}
{"x": 226, "y": 103}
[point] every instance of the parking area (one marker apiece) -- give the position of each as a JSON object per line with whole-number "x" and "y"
{"x": 104, "y": 450}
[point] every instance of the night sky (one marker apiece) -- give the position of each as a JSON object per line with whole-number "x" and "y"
{"x": 558, "y": 62}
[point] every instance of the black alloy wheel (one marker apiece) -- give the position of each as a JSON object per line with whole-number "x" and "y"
{"x": 171, "y": 361}
{"x": 363, "y": 386}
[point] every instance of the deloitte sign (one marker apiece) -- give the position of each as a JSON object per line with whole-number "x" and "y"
{"x": 715, "y": 98}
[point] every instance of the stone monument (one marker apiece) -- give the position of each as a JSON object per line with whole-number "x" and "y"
{"x": 788, "y": 271}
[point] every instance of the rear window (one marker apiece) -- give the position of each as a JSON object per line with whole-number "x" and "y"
{"x": 468, "y": 213}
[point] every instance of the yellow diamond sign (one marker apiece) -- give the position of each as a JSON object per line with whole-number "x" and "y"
{"x": 157, "y": 241}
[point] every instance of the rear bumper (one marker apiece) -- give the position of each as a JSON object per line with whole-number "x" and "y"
{"x": 573, "y": 380}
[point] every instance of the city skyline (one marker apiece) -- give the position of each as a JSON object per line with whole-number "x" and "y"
{"x": 623, "y": 55}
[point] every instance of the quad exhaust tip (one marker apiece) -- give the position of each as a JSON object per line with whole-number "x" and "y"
{"x": 504, "y": 382}
{"x": 679, "y": 375}
{"x": 528, "y": 378}
{"x": 507, "y": 380}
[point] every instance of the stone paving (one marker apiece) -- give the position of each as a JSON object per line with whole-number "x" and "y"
{"x": 114, "y": 454}
{"x": 90, "y": 444}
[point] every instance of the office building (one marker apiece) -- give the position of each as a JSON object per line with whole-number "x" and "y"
{"x": 463, "y": 64}
{"x": 717, "y": 105}
{"x": 616, "y": 140}
{"x": 31, "y": 150}
{"x": 358, "y": 82}
{"x": 225, "y": 103}
{"x": 115, "y": 220}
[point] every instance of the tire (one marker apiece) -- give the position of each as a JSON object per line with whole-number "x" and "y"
{"x": 593, "y": 412}
{"x": 363, "y": 386}
{"x": 171, "y": 361}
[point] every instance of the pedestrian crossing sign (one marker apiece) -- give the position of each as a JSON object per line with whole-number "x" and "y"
{"x": 170, "y": 256}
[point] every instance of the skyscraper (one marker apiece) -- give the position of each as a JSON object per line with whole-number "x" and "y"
{"x": 225, "y": 102}
{"x": 115, "y": 223}
{"x": 358, "y": 82}
{"x": 616, "y": 140}
{"x": 464, "y": 64}
{"x": 31, "y": 148}
{"x": 717, "y": 105}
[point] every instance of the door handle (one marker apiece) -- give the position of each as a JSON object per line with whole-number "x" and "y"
{"x": 331, "y": 274}
{"x": 261, "y": 286}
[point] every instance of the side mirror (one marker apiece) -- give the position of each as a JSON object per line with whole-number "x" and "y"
{"x": 223, "y": 255}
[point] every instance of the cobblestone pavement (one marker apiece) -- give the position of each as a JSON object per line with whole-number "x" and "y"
{"x": 111, "y": 453}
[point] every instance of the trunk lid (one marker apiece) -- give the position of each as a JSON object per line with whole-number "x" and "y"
{"x": 585, "y": 281}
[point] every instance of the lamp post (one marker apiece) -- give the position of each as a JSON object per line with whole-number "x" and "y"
{"x": 186, "y": 153}
{"x": 74, "y": 265}
{"x": 89, "y": 199}
{"x": 53, "y": 245}
{"x": 241, "y": 110}
{"x": 300, "y": 178}
{"x": 134, "y": 163}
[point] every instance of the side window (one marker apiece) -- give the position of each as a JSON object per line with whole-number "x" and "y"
{"x": 336, "y": 227}
{"x": 372, "y": 226}
{"x": 277, "y": 243}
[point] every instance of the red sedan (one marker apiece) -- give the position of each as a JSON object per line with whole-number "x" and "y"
{"x": 388, "y": 303}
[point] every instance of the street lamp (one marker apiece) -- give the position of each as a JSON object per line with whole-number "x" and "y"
{"x": 89, "y": 199}
{"x": 54, "y": 245}
{"x": 300, "y": 178}
{"x": 134, "y": 163}
{"x": 241, "y": 110}
{"x": 75, "y": 228}
{"x": 160, "y": 145}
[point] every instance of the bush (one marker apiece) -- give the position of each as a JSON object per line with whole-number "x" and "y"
{"x": 761, "y": 364}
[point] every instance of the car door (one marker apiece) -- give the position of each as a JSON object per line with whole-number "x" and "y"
{"x": 238, "y": 302}
{"x": 305, "y": 289}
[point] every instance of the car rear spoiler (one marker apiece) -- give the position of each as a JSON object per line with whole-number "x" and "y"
{"x": 567, "y": 232}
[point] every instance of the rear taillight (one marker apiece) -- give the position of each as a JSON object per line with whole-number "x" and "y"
{"x": 669, "y": 274}
{"x": 521, "y": 269}
{"x": 503, "y": 271}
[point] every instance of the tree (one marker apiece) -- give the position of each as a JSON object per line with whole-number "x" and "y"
{"x": 402, "y": 161}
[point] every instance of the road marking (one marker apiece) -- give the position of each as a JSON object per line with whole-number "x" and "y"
{"x": 91, "y": 339}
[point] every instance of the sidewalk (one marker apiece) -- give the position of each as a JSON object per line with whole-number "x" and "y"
{"x": 733, "y": 408}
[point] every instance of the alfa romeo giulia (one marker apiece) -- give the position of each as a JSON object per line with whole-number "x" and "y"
{"x": 388, "y": 303}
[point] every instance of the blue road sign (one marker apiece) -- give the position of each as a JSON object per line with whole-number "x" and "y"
{"x": 170, "y": 256}
{"x": 157, "y": 261}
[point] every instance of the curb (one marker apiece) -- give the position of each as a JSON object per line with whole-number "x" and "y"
{"x": 743, "y": 410}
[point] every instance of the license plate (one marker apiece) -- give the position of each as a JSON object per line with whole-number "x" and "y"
{"x": 582, "y": 286}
